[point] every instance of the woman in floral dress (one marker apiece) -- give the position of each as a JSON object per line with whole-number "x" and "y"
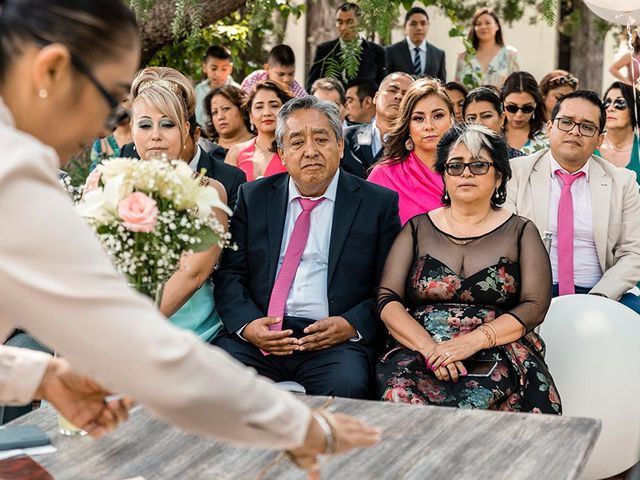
{"x": 465, "y": 283}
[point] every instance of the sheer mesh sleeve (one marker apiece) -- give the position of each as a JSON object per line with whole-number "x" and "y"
{"x": 396, "y": 268}
{"x": 535, "y": 271}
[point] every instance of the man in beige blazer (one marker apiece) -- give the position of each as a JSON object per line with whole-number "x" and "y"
{"x": 606, "y": 201}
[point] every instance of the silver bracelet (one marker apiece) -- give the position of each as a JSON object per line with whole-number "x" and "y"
{"x": 329, "y": 437}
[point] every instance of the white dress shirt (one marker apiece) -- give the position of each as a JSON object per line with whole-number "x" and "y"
{"x": 58, "y": 284}
{"x": 423, "y": 54}
{"x": 376, "y": 140}
{"x": 586, "y": 267}
{"x": 308, "y": 295}
{"x": 196, "y": 159}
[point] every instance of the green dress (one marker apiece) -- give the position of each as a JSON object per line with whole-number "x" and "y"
{"x": 199, "y": 314}
{"x": 634, "y": 163}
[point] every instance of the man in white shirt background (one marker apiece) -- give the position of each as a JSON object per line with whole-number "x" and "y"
{"x": 590, "y": 207}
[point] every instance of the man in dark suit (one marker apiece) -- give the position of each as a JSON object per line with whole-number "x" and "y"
{"x": 372, "y": 58}
{"x": 297, "y": 297}
{"x": 229, "y": 176}
{"x": 414, "y": 54}
{"x": 363, "y": 144}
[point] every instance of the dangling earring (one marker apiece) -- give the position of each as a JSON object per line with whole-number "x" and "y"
{"x": 445, "y": 197}
{"x": 409, "y": 144}
{"x": 533, "y": 117}
{"x": 498, "y": 197}
{"x": 42, "y": 93}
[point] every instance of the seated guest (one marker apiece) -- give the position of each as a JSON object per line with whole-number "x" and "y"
{"x": 281, "y": 69}
{"x": 162, "y": 101}
{"x": 483, "y": 106}
{"x": 554, "y": 85}
{"x": 230, "y": 177}
{"x": 359, "y": 105}
{"x": 296, "y": 297}
{"x": 525, "y": 113}
{"x": 258, "y": 157}
{"x": 331, "y": 90}
{"x": 228, "y": 121}
{"x": 590, "y": 207}
{"x": 461, "y": 287}
{"x": 216, "y": 68}
{"x": 621, "y": 144}
{"x": 364, "y": 143}
{"x": 457, "y": 93}
{"x": 414, "y": 54}
{"x": 408, "y": 164}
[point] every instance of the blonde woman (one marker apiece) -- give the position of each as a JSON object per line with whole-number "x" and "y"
{"x": 163, "y": 100}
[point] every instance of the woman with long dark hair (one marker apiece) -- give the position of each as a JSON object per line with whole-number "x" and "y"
{"x": 525, "y": 113}
{"x": 621, "y": 145}
{"x": 408, "y": 162}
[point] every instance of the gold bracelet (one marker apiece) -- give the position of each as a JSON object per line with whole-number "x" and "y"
{"x": 495, "y": 334}
{"x": 490, "y": 339}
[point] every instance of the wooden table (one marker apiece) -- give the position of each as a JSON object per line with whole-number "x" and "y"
{"x": 419, "y": 443}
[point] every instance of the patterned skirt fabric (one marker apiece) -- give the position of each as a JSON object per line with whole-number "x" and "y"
{"x": 520, "y": 382}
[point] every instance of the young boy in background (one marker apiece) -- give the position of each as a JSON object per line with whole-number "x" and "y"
{"x": 217, "y": 68}
{"x": 280, "y": 68}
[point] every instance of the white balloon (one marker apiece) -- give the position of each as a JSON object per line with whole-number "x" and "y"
{"x": 616, "y": 16}
{"x": 617, "y": 5}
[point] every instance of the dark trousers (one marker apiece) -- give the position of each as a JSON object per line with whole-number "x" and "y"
{"x": 20, "y": 339}
{"x": 628, "y": 299}
{"x": 343, "y": 370}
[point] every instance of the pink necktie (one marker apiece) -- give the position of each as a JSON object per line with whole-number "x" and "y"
{"x": 566, "y": 284}
{"x": 291, "y": 260}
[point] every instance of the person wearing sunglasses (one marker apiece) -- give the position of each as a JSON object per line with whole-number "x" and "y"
{"x": 590, "y": 207}
{"x": 483, "y": 106}
{"x": 461, "y": 288}
{"x": 59, "y": 285}
{"x": 554, "y": 85}
{"x": 621, "y": 142}
{"x": 525, "y": 113}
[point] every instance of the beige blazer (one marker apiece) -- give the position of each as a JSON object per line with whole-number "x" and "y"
{"x": 57, "y": 283}
{"x": 615, "y": 201}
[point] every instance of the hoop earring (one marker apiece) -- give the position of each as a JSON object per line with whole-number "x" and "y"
{"x": 409, "y": 145}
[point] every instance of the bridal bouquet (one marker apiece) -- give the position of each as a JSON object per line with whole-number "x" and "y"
{"x": 148, "y": 213}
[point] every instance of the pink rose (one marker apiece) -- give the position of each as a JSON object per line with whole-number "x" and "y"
{"x": 92, "y": 182}
{"x": 138, "y": 212}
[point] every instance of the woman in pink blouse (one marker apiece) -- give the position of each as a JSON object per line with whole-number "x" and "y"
{"x": 425, "y": 114}
{"x": 258, "y": 157}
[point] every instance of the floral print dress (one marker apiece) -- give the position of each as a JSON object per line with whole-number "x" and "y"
{"x": 448, "y": 304}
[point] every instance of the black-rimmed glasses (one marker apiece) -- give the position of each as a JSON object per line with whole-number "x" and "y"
{"x": 586, "y": 129}
{"x": 118, "y": 113}
{"x": 478, "y": 167}
{"x": 618, "y": 103}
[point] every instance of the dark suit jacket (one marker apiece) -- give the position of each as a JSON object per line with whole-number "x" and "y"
{"x": 399, "y": 59}
{"x": 358, "y": 155}
{"x": 229, "y": 176}
{"x": 365, "y": 224}
{"x": 372, "y": 62}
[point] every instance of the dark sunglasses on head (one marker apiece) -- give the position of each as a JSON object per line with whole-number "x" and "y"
{"x": 514, "y": 108}
{"x": 618, "y": 103}
{"x": 478, "y": 167}
{"x": 563, "y": 80}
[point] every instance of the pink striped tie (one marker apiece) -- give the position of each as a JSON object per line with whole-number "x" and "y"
{"x": 566, "y": 284}
{"x": 291, "y": 260}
